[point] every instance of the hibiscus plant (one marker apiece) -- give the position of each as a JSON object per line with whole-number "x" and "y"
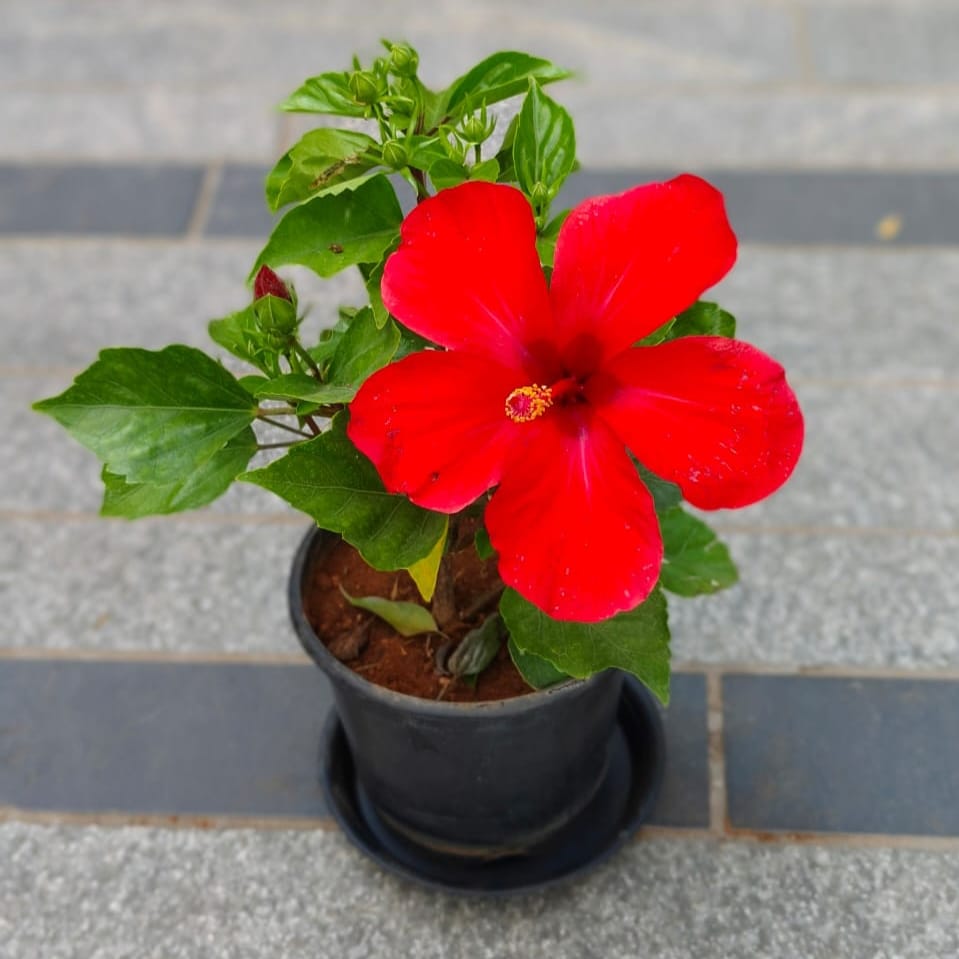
{"x": 555, "y": 378}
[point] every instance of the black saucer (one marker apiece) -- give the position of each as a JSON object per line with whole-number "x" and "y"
{"x": 622, "y": 803}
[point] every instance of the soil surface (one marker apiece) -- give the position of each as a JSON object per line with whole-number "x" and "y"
{"x": 384, "y": 657}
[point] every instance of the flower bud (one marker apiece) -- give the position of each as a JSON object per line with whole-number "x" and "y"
{"x": 364, "y": 86}
{"x": 403, "y": 60}
{"x": 539, "y": 194}
{"x": 477, "y": 128}
{"x": 395, "y": 154}
{"x": 267, "y": 282}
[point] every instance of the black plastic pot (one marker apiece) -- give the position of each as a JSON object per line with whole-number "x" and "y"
{"x": 491, "y": 797}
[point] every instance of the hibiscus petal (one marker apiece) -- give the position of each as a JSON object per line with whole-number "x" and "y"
{"x": 575, "y": 529}
{"x": 467, "y": 275}
{"x": 626, "y": 264}
{"x": 716, "y": 416}
{"x": 434, "y": 426}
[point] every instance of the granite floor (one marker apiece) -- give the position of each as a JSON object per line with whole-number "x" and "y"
{"x": 158, "y": 723}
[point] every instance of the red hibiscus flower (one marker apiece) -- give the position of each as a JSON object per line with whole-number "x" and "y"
{"x": 540, "y": 391}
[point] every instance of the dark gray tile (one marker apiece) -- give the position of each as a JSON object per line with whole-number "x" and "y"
{"x": 239, "y": 207}
{"x": 842, "y": 755}
{"x": 209, "y": 739}
{"x": 180, "y": 738}
{"x": 811, "y": 207}
{"x": 684, "y": 797}
{"x": 142, "y": 199}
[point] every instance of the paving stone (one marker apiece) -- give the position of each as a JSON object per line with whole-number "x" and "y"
{"x": 822, "y": 600}
{"x": 217, "y": 739}
{"x": 239, "y": 208}
{"x": 150, "y": 585}
{"x": 181, "y": 893}
{"x": 874, "y": 456}
{"x": 885, "y": 43}
{"x": 893, "y": 769}
{"x": 150, "y": 294}
{"x": 142, "y": 199}
{"x": 152, "y": 124}
{"x": 794, "y": 129}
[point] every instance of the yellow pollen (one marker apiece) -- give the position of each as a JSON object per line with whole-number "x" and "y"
{"x": 528, "y": 402}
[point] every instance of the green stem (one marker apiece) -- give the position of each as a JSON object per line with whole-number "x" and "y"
{"x": 290, "y": 429}
{"x": 419, "y": 177}
{"x": 304, "y": 355}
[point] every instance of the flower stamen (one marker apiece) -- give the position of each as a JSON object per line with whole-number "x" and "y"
{"x": 527, "y": 403}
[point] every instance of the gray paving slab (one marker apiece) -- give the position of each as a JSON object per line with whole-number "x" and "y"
{"x": 141, "y": 199}
{"x": 846, "y": 755}
{"x": 112, "y": 893}
{"x": 150, "y": 585}
{"x": 885, "y": 43}
{"x": 71, "y": 298}
{"x": 214, "y": 739}
{"x": 821, "y": 599}
{"x": 784, "y": 128}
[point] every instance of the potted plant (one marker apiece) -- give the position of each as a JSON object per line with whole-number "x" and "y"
{"x": 494, "y": 447}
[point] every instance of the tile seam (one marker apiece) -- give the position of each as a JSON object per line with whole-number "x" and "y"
{"x": 203, "y": 204}
{"x": 716, "y": 757}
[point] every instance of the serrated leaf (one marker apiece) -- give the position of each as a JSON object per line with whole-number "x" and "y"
{"x": 695, "y": 560}
{"x": 446, "y": 173}
{"x": 702, "y": 319}
{"x": 538, "y": 672}
{"x": 321, "y": 160}
{"x": 299, "y": 386}
{"x": 327, "y": 93}
{"x": 332, "y": 232}
{"x": 240, "y": 334}
{"x": 362, "y": 349}
{"x": 153, "y": 417}
{"x": 544, "y": 145}
{"x": 498, "y": 77}
{"x": 408, "y": 619}
{"x": 424, "y": 572}
{"x": 487, "y": 170}
{"x": 202, "y": 486}
{"x": 636, "y": 641}
{"x": 666, "y": 495}
{"x": 329, "y": 479}
{"x": 478, "y": 648}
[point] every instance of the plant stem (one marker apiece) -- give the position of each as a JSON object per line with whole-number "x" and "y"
{"x": 282, "y": 426}
{"x": 422, "y": 192}
{"x": 277, "y": 446}
{"x": 444, "y": 599}
{"x": 305, "y": 356}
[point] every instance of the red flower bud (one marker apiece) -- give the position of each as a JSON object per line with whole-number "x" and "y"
{"x": 267, "y": 282}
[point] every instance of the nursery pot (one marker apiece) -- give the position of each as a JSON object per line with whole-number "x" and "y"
{"x": 490, "y": 795}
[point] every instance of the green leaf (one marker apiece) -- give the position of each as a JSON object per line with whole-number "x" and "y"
{"x": 408, "y": 619}
{"x": 538, "y": 672}
{"x": 659, "y": 335}
{"x": 544, "y": 146}
{"x": 372, "y": 279}
{"x": 446, "y": 173}
{"x": 329, "y": 479}
{"x": 202, "y": 486}
{"x": 666, "y": 495}
{"x": 695, "y": 561}
{"x": 153, "y": 417}
{"x": 332, "y": 232}
{"x": 424, "y": 571}
{"x": 326, "y": 93}
{"x": 362, "y": 349}
{"x": 484, "y": 548}
{"x": 703, "y": 319}
{"x": 478, "y": 648}
{"x": 240, "y": 334}
{"x": 320, "y": 160}
{"x": 300, "y": 387}
{"x": 637, "y": 641}
{"x": 487, "y": 170}
{"x": 546, "y": 238}
{"x": 498, "y": 77}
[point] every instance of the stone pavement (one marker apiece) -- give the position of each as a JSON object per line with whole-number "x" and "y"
{"x": 157, "y": 721}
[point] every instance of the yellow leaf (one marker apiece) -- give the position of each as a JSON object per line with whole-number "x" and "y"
{"x": 424, "y": 571}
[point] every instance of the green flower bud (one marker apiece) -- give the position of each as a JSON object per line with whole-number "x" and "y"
{"x": 539, "y": 194}
{"x": 395, "y": 154}
{"x": 276, "y": 317}
{"x": 404, "y": 60}
{"x": 365, "y": 87}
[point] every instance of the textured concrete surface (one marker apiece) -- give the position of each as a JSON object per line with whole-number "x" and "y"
{"x": 134, "y": 892}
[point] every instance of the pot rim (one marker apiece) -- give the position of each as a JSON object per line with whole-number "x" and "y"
{"x": 317, "y": 651}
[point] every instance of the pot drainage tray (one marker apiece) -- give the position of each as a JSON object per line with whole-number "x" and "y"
{"x": 623, "y": 801}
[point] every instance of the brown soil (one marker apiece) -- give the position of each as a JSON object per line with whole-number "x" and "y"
{"x": 405, "y": 664}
